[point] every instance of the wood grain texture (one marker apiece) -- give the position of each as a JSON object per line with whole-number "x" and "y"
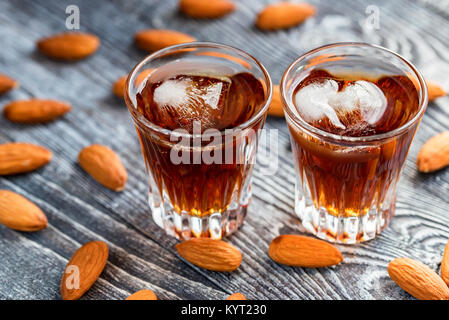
{"x": 141, "y": 256}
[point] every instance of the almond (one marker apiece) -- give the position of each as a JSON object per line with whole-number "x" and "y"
{"x": 418, "y": 279}
{"x": 83, "y": 269}
{"x": 141, "y": 77}
{"x": 225, "y": 56}
{"x": 236, "y": 296}
{"x": 323, "y": 58}
{"x": 276, "y": 104}
{"x": 22, "y": 157}
{"x": 434, "y": 154}
{"x": 156, "y": 39}
{"x": 300, "y": 251}
{"x": 119, "y": 86}
{"x": 206, "y": 9}
{"x": 210, "y": 254}
{"x": 284, "y": 15}
{"x": 104, "y": 165}
{"x": 69, "y": 45}
{"x": 18, "y": 213}
{"x": 434, "y": 90}
{"x": 35, "y": 110}
{"x": 445, "y": 265}
{"x": 143, "y": 295}
{"x": 6, "y": 83}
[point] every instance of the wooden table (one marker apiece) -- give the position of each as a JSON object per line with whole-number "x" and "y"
{"x": 141, "y": 255}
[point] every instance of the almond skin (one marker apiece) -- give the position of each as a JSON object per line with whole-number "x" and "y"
{"x": 104, "y": 165}
{"x": 322, "y": 58}
{"x": 284, "y": 15}
{"x": 434, "y": 90}
{"x": 141, "y": 77}
{"x": 35, "y": 110}
{"x": 90, "y": 261}
{"x": 18, "y": 158}
{"x": 69, "y": 45}
{"x": 276, "y": 104}
{"x": 143, "y": 295}
{"x": 119, "y": 86}
{"x": 215, "y": 255}
{"x": 445, "y": 265}
{"x": 206, "y": 9}
{"x": 155, "y": 39}
{"x": 300, "y": 251}
{"x": 7, "y": 84}
{"x": 417, "y": 279}
{"x": 225, "y": 56}
{"x": 434, "y": 154}
{"x": 18, "y": 213}
{"x": 236, "y": 296}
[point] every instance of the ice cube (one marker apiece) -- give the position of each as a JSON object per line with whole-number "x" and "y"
{"x": 370, "y": 99}
{"x": 358, "y": 103}
{"x": 188, "y": 100}
{"x": 171, "y": 93}
{"x": 313, "y": 102}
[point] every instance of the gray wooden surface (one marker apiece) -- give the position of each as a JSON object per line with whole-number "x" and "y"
{"x": 141, "y": 256}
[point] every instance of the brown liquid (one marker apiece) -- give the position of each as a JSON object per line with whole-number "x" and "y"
{"x": 220, "y": 101}
{"x": 350, "y": 179}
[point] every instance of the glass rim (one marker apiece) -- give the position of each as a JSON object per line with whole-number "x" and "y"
{"x": 288, "y": 105}
{"x": 195, "y": 45}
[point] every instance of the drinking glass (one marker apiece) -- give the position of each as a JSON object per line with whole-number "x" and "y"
{"x": 345, "y": 188}
{"x": 199, "y": 198}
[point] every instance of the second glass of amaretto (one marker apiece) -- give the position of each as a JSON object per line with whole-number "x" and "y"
{"x": 352, "y": 110}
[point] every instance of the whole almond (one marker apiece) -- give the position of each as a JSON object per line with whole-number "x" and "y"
{"x": 434, "y": 154}
{"x": 119, "y": 86}
{"x": 215, "y": 255}
{"x": 206, "y": 9}
{"x": 104, "y": 165}
{"x": 445, "y": 265}
{"x": 276, "y": 104}
{"x": 18, "y": 158}
{"x": 18, "y": 213}
{"x": 225, "y": 56}
{"x": 322, "y": 58}
{"x": 143, "y": 295}
{"x": 284, "y": 15}
{"x": 141, "y": 77}
{"x": 156, "y": 39}
{"x": 35, "y": 110}
{"x": 418, "y": 279}
{"x": 83, "y": 269}
{"x": 6, "y": 83}
{"x": 300, "y": 251}
{"x": 69, "y": 45}
{"x": 236, "y": 296}
{"x": 434, "y": 90}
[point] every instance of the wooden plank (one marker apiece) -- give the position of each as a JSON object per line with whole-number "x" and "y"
{"x": 79, "y": 210}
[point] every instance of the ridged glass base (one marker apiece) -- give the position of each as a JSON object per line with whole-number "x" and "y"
{"x": 185, "y": 226}
{"x": 347, "y": 230}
